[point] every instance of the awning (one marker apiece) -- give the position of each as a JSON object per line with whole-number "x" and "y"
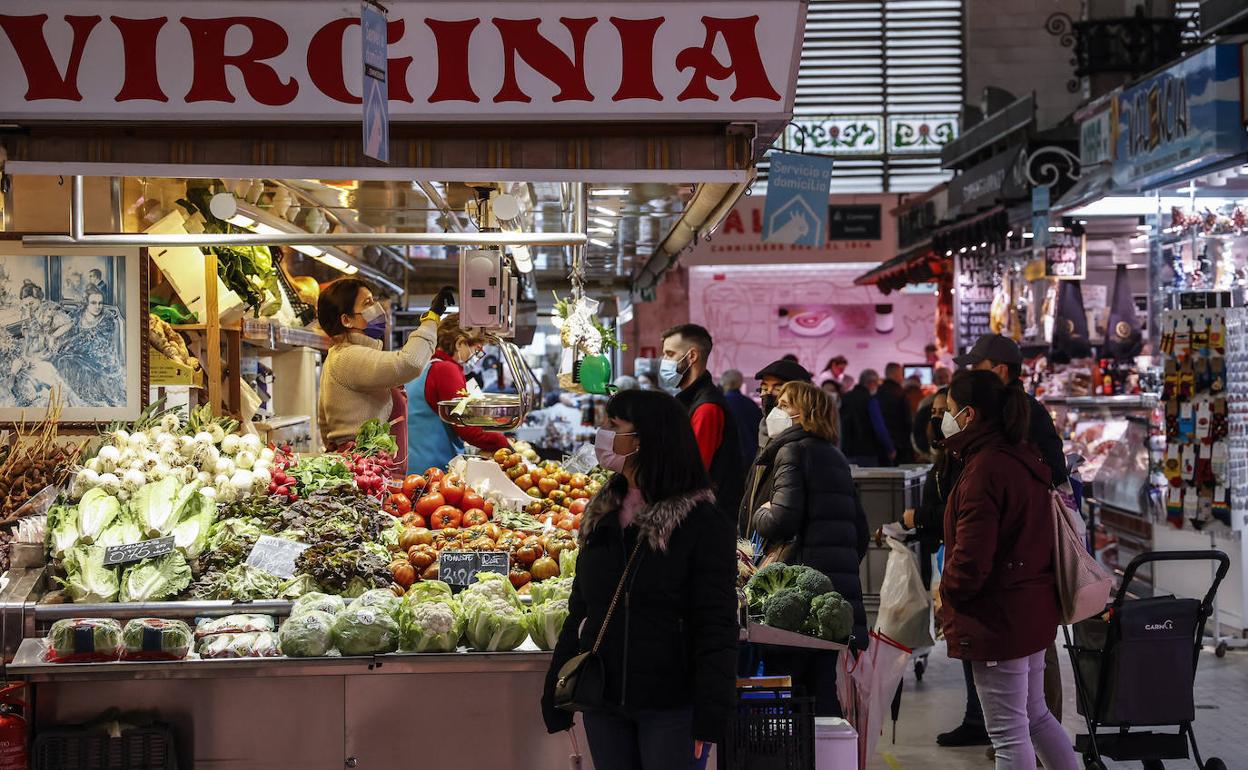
{"x": 1093, "y": 185}
{"x": 918, "y": 266}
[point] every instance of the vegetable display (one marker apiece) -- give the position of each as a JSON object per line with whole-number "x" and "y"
{"x": 799, "y": 599}
{"x": 156, "y": 639}
{"x": 84, "y": 640}
{"x": 309, "y": 634}
{"x": 365, "y": 630}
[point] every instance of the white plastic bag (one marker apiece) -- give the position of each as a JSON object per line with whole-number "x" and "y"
{"x": 905, "y": 606}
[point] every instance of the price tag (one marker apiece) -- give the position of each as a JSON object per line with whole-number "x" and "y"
{"x": 148, "y": 549}
{"x": 275, "y": 555}
{"x": 460, "y": 568}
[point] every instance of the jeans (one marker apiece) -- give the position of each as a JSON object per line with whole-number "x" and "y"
{"x": 1018, "y": 721}
{"x": 657, "y": 739}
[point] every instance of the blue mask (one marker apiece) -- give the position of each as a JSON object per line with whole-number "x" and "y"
{"x": 670, "y": 375}
{"x": 376, "y": 318}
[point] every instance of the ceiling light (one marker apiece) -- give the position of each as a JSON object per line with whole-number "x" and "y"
{"x": 962, "y": 250}
{"x": 311, "y": 251}
{"x": 605, "y": 210}
{"x": 949, "y": 253}
{"x": 598, "y": 242}
{"x": 603, "y": 222}
{"x": 1029, "y": 235}
{"x": 983, "y": 245}
{"x": 1010, "y": 234}
{"x": 1143, "y": 250}
{"x": 607, "y": 192}
{"x": 522, "y": 258}
{"x": 337, "y": 264}
{"x": 1057, "y": 229}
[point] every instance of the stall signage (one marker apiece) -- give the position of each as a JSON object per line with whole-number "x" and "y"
{"x": 1096, "y": 139}
{"x": 987, "y": 184}
{"x": 1065, "y": 260}
{"x": 275, "y": 555}
{"x": 148, "y": 549}
{"x": 460, "y": 568}
{"x": 375, "y": 66}
{"x": 855, "y": 223}
{"x": 797, "y": 199}
{"x": 1183, "y": 118}
{"x": 485, "y": 61}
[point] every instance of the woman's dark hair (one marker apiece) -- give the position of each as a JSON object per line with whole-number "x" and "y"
{"x": 90, "y": 290}
{"x": 30, "y": 289}
{"x": 1004, "y": 407}
{"x": 940, "y": 458}
{"x": 668, "y": 462}
{"x": 338, "y": 299}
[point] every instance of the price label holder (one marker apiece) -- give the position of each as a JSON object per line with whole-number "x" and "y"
{"x": 460, "y": 568}
{"x": 148, "y": 549}
{"x": 275, "y": 555}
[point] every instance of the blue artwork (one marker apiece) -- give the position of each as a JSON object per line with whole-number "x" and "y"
{"x": 796, "y": 210}
{"x": 62, "y": 328}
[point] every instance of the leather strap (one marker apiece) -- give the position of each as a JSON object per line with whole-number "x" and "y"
{"x": 619, "y": 589}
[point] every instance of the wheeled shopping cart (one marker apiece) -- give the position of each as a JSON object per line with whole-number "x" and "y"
{"x": 1135, "y": 666}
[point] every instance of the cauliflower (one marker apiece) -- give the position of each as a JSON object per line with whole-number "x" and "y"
{"x": 432, "y": 626}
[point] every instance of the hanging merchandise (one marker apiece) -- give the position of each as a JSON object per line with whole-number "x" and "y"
{"x": 586, "y": 341}
{"x": 1070, "y": 327}
{"x": 1123, "y": 339}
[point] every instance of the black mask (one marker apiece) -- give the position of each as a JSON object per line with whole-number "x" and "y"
{"x": 769, "y": 402}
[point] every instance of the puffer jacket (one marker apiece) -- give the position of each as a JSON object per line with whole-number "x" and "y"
{"x": 672, "y": 642}
{"x": 814, "y": 505}
{"x": 999, "y": 585}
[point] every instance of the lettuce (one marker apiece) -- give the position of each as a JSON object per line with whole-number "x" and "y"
{"x": 96, "y": 510}
{"x": 307, "y": 635}
{"x": 381, "y": 598}
{"x": 122, "y": 531}
{"x": 567, "y": 562}
{"x": 62, "y": 530}
{"x": 545, "y": 621}
{"x": 191, "y": 534}
{"x": 550, "y": 589}
{"x": 297, "y": 586}
{"x": 86, "y": 577}
{"x": 428, "y": 591}
{"x": 152, "y": 580}
{"x": 155, "y": 504}
{"x": 315, "y": 601}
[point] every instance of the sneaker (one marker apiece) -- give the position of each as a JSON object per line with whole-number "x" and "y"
{"x": 964, "y": 735}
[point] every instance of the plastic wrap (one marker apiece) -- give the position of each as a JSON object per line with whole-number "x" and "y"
{"x": 251, "y": 644}
{"x": 309, "y": 634}
{"x": 84, "y": 640}
{"x": 234, "y": 624}
{"x": 156, "y": 639}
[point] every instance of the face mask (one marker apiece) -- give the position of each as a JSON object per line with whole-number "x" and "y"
{"x": 604, "y": 450}
{"x": 949, "y": 424}
{"x": 778, "y": 421}
{"x": 670, "y": 375}
{"x": 473, "y": 357}
{"x": 769, "y": 402}
{"x": 375, "y": 318}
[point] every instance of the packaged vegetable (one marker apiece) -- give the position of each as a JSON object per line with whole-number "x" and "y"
{"x": 252, "y": 644}
{"x": 545, "y": 621}
{"x": 309, "y": 634}
{"x": 233, "y": 624}
{"x": 383, "y": 598}
{"x": 84, "y": 640}
{"x": 156, "y": 639}
{"x": 317, "y": 602}
{"x": 431, "y": 626}
{"x": 364, "y": 630}
{"x": 152, "y": 580}
{"x": 494, "y": 625}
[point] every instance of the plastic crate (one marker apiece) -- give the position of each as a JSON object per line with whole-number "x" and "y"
{"x": 79, "y": 748}
{"x": 773, "y": 730}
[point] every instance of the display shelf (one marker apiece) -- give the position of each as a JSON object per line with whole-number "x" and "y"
{"x": 1136, "y": 401}
{"x": 761, "y": 634}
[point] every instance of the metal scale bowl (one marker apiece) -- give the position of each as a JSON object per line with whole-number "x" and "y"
{"x": 499, "y": 412}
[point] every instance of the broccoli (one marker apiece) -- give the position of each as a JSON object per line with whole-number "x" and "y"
{"x": 787, "y": 609}
{"x": 830, "y": 618}
{"x": 811, "y": 581}
{"x": 767, "y": 581}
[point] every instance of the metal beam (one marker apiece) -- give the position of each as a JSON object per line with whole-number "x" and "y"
{"x": 467, "y": 240}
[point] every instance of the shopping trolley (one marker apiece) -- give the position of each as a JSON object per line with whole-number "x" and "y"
{"x": 1135, "y": 666}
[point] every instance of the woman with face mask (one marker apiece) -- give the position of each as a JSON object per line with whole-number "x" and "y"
{"x": 670, "y": 646}
{"x": 360, "y": 381}
{"x": 807, "y": 511}
{"x": 999, "y": 589}
{"x": 431, "y": 442}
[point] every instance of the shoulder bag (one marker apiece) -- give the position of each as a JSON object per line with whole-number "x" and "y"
{"x": 1083, "y": 585}
{"x": 582, "y": 681}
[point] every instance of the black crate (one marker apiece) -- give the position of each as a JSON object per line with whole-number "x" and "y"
{"x": 773, "y": 730}
{"x": 77, "y": 748}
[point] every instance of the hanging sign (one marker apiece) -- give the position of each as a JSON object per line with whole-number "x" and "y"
{"x": 796, "y": 211}
{"x": 1065, "y": 260}
{"x": 376, "y": 102}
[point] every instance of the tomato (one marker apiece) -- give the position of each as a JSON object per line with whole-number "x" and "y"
{"x": 493, "y": 531}
{"x": 528, "y": 554}
{"x": 421, "y": 556}
{"x": 401, "y": 503}
{"x": 563, "y": 477}
{"x": 403, "y": 573}
{"x": 446, "y": 516}
{"x": 519, "y": 577}
{"x": 413, "y": 485}
{"x": 390, "y": 508}
{"x": 557, "y": 495}
{"x": 501, "y": 455}
{"x": 579, "y": 494}
{"x": 576, "y": 521}
{"x": 429, "y": 503}
{"x": 515, "y": 472}
{"x": 533, "y": 509}
{"x": 430, "y": 573}
{"x": 394, "y": 486}
{"x": 577, "y": 507}
{"x": 545, "y": 568}
{"x": 452, "y": 489}
{"x": 566, "y": 523}
{"x": 525, "y": 482}
{"x": 488, "y": 508}
{"x": 417, "y": 521}
{"x": 434, "y": 475}
{"x": 578, "y": 481}
{"x": 547, "y": 485}
{"x": 471, "y": 500}
{"x": 475, "y": 517}
{"x": 513, "y": 461}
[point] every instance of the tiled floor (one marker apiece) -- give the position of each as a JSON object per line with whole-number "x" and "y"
{"x": 936, "y": 704}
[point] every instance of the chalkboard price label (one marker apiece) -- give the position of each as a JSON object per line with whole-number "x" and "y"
{"x": 275, "y": 555}
{"x": 148, "y": 549}
{"x": 460, "y": 568}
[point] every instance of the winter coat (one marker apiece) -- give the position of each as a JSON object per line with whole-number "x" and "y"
{"x": 672, "y": 642}
{"x": 895, "y": 408}
{"x": 814, "y": 504}
{"x": 727, "y": 467}
{"x": 858, "y": 437}
{"x": 999, "y": 585}
{"x": 1042, "y": 435}
{"x": 748, "y": 417}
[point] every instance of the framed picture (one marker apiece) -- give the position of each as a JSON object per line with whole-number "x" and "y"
{"x": 72, "y": 322}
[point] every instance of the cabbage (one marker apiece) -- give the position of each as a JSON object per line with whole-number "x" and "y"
{"x": 84, "y": 640}
{"x": 544, "y": 621}
{"x": 152, "y": 580}
{"x": 86, "y": 577}
{"x": 123, "y": 531}
{"x": 191, "y": 534}
{"x": 494, "y": 625}
{"x": 62, "y": 530}
{"x": 96, "y": 510}
{"x": 307, "y": 635}
{"x": 550, "y": 589}
{"x": 567, "y": 562}
{"x": 317, "y": 602}
{"x": 159, "y": 505}
{"x": 431, "y": 626}
{"x": 428, "y": 591}
{"x": 364, "y": 630}
{"x": 156, "y": 639}
{"x": 382, "y": 598}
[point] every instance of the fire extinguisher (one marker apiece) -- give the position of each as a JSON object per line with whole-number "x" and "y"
{"x": 12, "y": 729}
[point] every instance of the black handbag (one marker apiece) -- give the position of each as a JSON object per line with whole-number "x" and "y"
{"x": 582, "y": 681}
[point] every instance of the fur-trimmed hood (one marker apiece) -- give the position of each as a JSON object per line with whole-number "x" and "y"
{"x": 656, "y": 522}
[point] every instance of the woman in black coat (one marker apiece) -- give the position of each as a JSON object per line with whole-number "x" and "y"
{"x": 808, "y": 507}
{"x": 670, "y": 647}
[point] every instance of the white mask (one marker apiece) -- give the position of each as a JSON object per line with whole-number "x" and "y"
{"x": 949, "y": 423}
{"x": 604, "y": 450}
{"x": 778, "y": 421}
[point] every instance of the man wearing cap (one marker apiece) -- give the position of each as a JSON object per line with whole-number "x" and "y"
{"x": 744, "y": 412}
{"x": 771, "y": 378}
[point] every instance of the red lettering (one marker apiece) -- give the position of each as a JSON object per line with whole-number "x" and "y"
{"x": 521, "y": 38}
{"x": 208, "y": 83}
{"x": 732, "y": 223}
{"x": 745, "y": 62}
{"x": 454, "y": 82}
{"x": 756, "y": 222}
{"x": 637, "y": 66}
{"x": 138, "y": 41}
{"x": 325, "y": 62}
{"x": 396, "y": 69}
{"x": 43, "y": 77}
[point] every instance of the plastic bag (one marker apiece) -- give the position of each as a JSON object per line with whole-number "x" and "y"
{"x": 252, "y": 644}
{"x": 905, "y": 605}
{"x": 84, "y": 640}
{"x": 365, "y": 631}
{"x": 310, "y": 634}
{"x": 319, "y": 602}
{"x": 233, "y": 624}
{"x": 156, "y": 639}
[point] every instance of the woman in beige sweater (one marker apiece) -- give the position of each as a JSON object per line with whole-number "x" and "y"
{"x": 359, "y": 380}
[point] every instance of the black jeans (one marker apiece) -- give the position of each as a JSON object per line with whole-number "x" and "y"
{"x": 640, "y": 740}
{"x": 974, "y": 711}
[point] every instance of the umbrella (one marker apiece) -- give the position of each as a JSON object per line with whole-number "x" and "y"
{"x": 866, "y": 687}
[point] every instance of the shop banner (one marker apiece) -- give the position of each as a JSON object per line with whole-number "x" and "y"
{"x": 797, "y": 199}
{"x": 376, "y": 105}
{"x": 295, "y": 60}
{"x": 1185, "y": 117}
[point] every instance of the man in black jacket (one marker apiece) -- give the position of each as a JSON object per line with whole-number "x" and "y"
{"x": 864, "y": 437}
{"x": 895, "y": 409}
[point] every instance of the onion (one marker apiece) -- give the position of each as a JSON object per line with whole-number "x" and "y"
{"x": 231, "y": 444}
{"x": 217, "y": 433}
{"x": 242, "y": 480}
{"x": 203, "y": 438}
{"x": 109, "y": 483}
{"x": 132, "y": 480}
{"x": 267, "y": 455}
{"x": 246, "y": 459}
{"x": 252, "y": 442}
{"x": 93, "y": 465}
{"x": 170, "y": 423}
{"x": 109, "y": 454}
{"x": 209, "y": 492}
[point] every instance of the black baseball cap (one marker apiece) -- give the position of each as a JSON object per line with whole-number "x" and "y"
{"x": 993, "y": 347}
{"x": 788, "y": 371}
